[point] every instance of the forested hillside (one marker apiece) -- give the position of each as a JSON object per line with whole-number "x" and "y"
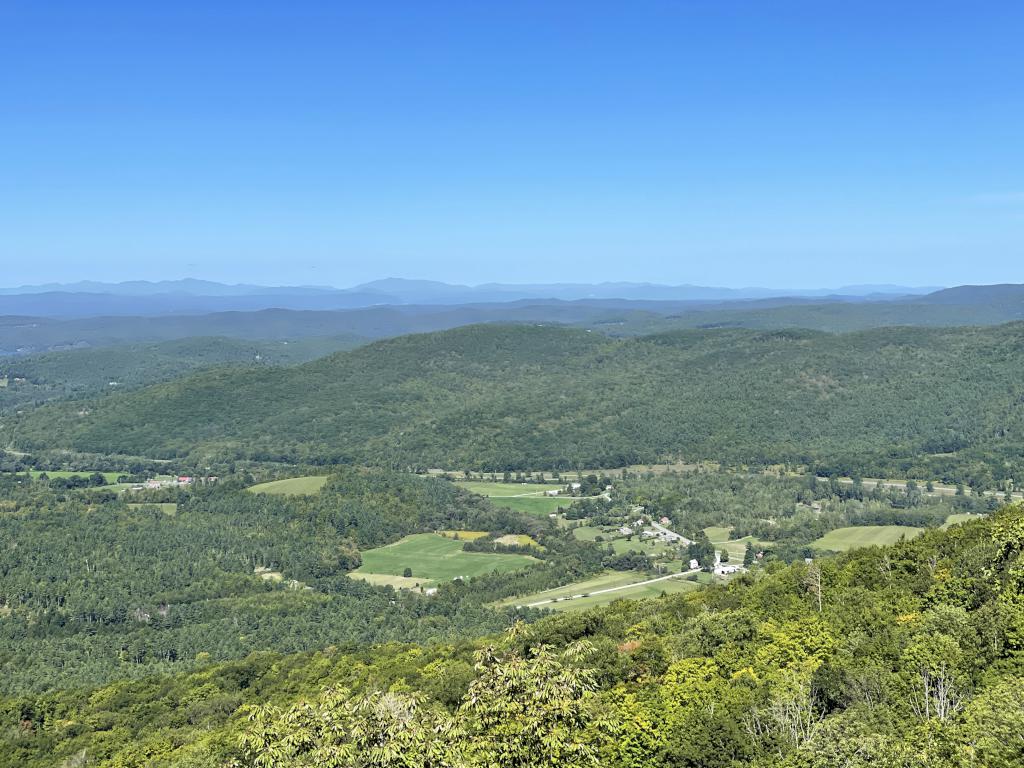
{"x": 943, "y": 403}
{"x": 216, "y": 572}
{"x": 33, "y": 379}
{"x": 908, "y": 656}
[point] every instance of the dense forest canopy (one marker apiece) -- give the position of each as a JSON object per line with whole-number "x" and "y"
{"x": 221, "y": 572}
{"x": 75, "y": 373}
{"x": 515, "y": 397}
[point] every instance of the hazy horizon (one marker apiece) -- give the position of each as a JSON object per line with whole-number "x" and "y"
{"x": 238, "y": 283}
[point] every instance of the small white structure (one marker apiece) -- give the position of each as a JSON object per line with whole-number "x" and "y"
{"x": 575, "y": 486}
{"x": 552, "y": 493}
{"x": 626, "y": 530}
{"x": 724, "y": 570}
{"x": 694, "y": 565}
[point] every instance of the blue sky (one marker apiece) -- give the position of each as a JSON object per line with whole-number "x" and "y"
{"x": 772, "y": 143}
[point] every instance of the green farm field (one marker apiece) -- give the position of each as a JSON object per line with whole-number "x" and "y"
{"x": 669, "y": 586}
{"x": 435, "y": 558}
{"x": 737, "y": 548}
{"x": 960, "y": 517}
{"x": 463, "y": 535}
{"x": 843, "y": 539}
{"x": 292, "y": 486}
{"x": 521, "y": 497}
{"x": 651, "y": 547}
{"x": 485, "y": 488}
{"x": 387, "y": 580}
{"x": 589, "y": 532}
{"x": 168, "y": 508}
{"x": 604, "y": 580}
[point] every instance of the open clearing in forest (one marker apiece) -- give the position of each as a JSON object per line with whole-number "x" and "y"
{"x": 737, "y": 548}
{"x": 668, "y": 586}
{"x": 508, "y": 489}
{"x": 619, "y": 581}
{"x": 843, "y": 539}
{"x": 292, "y": 486}
{"x": 521, "y": 497}
{"x": 434, "y": 558}
{"x": 387, "y": 580}
{"x": 516, "y": 540}
{"x": 960, "y": 517}
{"x": 601, "y": 581}
{"x": 168, "y": 508}
{"x": 463, "y": 535}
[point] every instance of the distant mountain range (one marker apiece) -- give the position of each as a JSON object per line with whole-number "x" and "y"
{"x": 28, "y": 332}
{"x": 190, "y": 296}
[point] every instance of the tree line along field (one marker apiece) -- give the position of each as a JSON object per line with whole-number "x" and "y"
{"x": 506, "y": 398}
{"x": 109, "y": 478}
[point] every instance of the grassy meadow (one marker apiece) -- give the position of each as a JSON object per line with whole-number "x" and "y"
{"x": 843, "y": 539}
{"x": 521, "y": 497}
{"x": 168, "y": 508}
{"x": 292, "y": 486}
{"x": 719, "y": 535}
{"x": 620, "y": 581}
{"x": 434, "y": 558}
{"x": 960, "y": 517}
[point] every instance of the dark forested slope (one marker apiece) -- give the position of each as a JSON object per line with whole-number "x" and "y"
{"x": 946, "y": 402}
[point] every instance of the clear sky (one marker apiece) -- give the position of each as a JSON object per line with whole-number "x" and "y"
{"x": 766, "y": 142}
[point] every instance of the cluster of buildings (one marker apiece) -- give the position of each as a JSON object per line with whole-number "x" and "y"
{"x": 171, "y": 482}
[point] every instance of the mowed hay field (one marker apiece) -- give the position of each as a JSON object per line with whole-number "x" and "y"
{"x": 521, "y": 497}
{"x": 604, "y": 580}
{"x": 433, "y": 558}
{"x": 292, "y": 486}
{"x": 627, "y": 585}
{"x": 960, "y": 517}
{"x": 843, "y": 539}
{"x": 668, "y": 587}
{"x": 485, "y": 488}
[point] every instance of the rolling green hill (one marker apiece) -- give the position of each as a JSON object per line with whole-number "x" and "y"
{"x": 947, "y": 403}
{"x": 34, "y": 379}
